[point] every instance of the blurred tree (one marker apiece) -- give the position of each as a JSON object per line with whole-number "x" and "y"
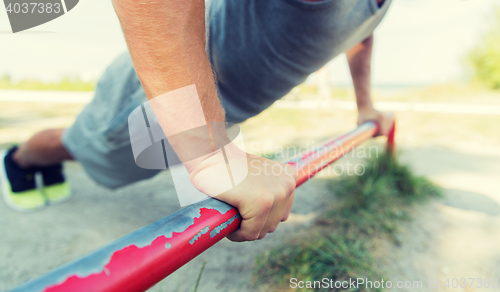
{"x": 5, "y": 79}
{"x": 485, "y": 57}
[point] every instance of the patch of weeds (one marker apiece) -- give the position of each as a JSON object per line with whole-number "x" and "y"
{"x": 330, "y": 255}
{"x": 339, "y": 245}
{"x": 378, "y": 200}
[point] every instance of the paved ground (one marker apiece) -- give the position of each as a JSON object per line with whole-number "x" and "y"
{"x": 456, "y": 237}
{"x": 32, "y": 244}
{"x": 453, "y": 238}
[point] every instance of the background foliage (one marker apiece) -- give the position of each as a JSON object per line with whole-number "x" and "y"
{"x": 485, "y": 57}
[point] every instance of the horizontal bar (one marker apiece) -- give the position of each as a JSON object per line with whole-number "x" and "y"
{"x": 144, "y": 257}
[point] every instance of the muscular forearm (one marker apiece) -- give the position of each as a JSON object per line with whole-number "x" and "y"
{"x": 166, "y": 41}
{"x": 359, "y": 59}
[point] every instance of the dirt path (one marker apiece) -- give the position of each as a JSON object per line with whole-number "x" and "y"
{"x": 457, "y": 237}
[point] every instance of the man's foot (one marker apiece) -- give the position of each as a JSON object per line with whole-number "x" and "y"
{"x": 55, "y": 187}
{"x": 19, "y": 187}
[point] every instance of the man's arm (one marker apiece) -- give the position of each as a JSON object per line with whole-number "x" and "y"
{"x": 359, "y": 58}
{"x": 166, "y": 41}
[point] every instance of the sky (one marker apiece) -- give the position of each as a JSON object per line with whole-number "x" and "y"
{"x": 419, "y": 42}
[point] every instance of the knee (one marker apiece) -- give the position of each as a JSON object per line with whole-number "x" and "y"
{"x": 50, "y": 138}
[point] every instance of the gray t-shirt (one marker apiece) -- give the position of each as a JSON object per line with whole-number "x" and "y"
{"x": 261, "y": 49}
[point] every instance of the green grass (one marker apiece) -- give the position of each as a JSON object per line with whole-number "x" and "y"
{"x": 199, "y": 276}
{"x": 339, "y": 245}
{"x": 66, "y": 84}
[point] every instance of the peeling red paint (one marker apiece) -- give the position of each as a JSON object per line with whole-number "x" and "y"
{"x": 136, "y": 269}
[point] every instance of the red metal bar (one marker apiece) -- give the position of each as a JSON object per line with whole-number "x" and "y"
{"x": 309, "y": 164}
{"x": 143, "y": 258}
{"x": 391, "y": 143}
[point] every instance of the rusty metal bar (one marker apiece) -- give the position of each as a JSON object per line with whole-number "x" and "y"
{"x": 141, "y": 259}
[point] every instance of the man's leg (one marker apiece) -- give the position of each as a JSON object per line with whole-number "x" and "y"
{"x": 98, "y": 140}
{"x": 40, "y": 156}
{"x": 45, "y": 148}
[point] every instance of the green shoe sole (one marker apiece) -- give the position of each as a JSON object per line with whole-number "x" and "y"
{"x": 57, "y": 193}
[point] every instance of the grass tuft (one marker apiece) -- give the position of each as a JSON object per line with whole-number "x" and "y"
{"x": 340, "y": 245}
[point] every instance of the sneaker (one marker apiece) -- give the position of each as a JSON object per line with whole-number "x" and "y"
{"x": 19, "y": 187}
{"x": 55, "y": 186}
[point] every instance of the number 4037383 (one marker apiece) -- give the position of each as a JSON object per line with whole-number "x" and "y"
{"x": 33, "y": 8}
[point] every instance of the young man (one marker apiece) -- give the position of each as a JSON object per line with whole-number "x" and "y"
{"x": 258, "y": 51}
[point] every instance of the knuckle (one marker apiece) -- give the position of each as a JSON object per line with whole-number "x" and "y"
{"x": 274, "y": 227}
{"x": 266, "y": 203}
{"x": 284, "y": 215}
{"x": 294, "y": 175}
{"x": 280, "y": 195}
{"x": 290, "y": 183}
{"x": 251, "y": 236}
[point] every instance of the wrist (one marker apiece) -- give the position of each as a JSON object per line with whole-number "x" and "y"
{"x": 363, "y": 99}
{"x": 366, "y": 107}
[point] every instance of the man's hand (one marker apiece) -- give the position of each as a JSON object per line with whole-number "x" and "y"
{"x": 264, "y": 198}
{"x": 384, "y": 120}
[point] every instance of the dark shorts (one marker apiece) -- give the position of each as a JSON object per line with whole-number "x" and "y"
{"x": 259, "y": 49}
